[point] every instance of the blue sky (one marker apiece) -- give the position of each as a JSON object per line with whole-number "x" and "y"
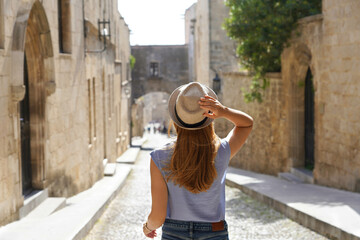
{"x": 155, "y": 22}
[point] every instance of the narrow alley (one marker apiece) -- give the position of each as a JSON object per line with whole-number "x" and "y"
{"x": 247, "y": 218}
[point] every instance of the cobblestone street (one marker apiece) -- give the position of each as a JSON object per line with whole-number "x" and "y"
{"x": 248, "y": 219}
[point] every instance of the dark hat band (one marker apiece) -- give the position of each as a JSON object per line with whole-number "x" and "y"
{"x": 195, "y": 125}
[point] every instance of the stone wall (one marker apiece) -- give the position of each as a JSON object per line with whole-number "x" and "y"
{"x": 332, "y": 42}
{"x": 190, "y": 23}
{"x": 222, "y": 49}
{"x": 151, "y": 90}
{"x": 209, "y": 45}
{"x": 202, "y": 43}
{"x": 264, "y": 150}
{"x": 328, "y": 45}
{"x": 172, "y": 62}
{"x": 137, "y": 115}
{"x": 74, "y": 95}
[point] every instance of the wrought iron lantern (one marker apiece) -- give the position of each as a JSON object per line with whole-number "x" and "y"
{"x": 216, "y": 83}
{"x": 103, "y": 33}
{"x": 104, "y": 30}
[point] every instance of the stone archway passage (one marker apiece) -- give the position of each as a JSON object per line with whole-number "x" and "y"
{"x": 32, "y": 38}
{"x": 295, "y": 64}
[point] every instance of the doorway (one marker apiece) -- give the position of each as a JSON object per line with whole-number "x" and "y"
{"x": 33, "y": 53}
{"x": 25, "y": 137}
{"x": 309, "y": 122}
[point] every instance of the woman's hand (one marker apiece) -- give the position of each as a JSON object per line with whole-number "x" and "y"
{"x": 242, "y": 121}
{"x": 149, "y": 233}
{"x": 213, "y": 106}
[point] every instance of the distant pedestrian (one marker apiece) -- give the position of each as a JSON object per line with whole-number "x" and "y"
{"x": 188, "y": 175}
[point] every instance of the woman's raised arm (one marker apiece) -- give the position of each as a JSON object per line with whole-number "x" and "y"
{"x": 242, "y": 121}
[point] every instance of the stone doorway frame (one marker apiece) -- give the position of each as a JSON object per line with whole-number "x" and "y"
{"x": 296, "y": 60}
{"x": 31, "y": 35}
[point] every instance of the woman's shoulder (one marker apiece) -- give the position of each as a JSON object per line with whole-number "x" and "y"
{"x": 162, "y": 152}
{"x": 224, "y": 143}
{"x": 224, "y": 147}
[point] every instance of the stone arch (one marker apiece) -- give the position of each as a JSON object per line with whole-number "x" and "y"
{"x": 31, "y": 37}
{"x": 151, "y": 107}
{"x": 296, "y": 60}
{"x": 155, "y": 85}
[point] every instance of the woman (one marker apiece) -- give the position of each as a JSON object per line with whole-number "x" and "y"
{"x": 188, "y": 176}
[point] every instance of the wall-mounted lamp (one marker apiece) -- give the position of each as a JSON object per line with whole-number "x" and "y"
{"x": 216, "y": 84}
{"x": 104, "y": 29}
{"x": 104, "y": 32}
{"x": 127, "y": 91}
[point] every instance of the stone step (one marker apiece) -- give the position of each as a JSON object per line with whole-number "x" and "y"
{"x": 47, "y": 207}
{"x": 33, "y": 201}
{"x": 110, "y": 169}
{"x": 290, "y": 177}
{"x": 129, "y": 156}
{"x": 138, "y": 141}
{"x": 105, "y": 161}
{"x": 304, "y": 174}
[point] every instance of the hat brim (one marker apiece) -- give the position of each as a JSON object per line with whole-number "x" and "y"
{"x": 172, "y": 102}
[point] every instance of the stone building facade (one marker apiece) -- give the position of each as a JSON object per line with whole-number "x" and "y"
{"x": 210, "y": 50}
{"x": 157, "y": 72}
{"x": 310, "y": 110}
{"x": 63, "y": 97}
{"x": 159, "y": 68}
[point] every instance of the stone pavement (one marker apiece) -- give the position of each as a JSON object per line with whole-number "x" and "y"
{"x": 331, "y": 212}
{"x": 247, "y": 218}
{"x": 75, "y": 220}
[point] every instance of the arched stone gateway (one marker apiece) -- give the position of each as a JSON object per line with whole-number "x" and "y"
{"x": 151, "y": 108}
{"x": 32, "y": 47}
{"x": 159, "y": 69}
{"x": 296, "y": 67}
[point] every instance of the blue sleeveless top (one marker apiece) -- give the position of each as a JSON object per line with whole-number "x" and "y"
{"x": 206, "y": 206}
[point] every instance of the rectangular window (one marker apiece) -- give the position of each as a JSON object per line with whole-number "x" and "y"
{"x": 2, "y": 25}
{"x": 64, "y": 21}
{"x": 90, "y": 114}
{"x": 94, "y": 105}
{"x": 117, "y": 43}
{"x": 121, "y": 74}
{"x": 112, "y": 94}
{"x": 116, "y": 121}
{"x": 119, "y": 119}
{"x": 109, "y": 96}
{"x": 154, "y": 69}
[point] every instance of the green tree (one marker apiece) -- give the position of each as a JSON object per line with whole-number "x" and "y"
{"x": 262, "y": 29}
{"x": 132, "y": 61}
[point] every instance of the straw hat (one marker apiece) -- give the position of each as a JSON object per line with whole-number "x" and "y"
{"x": 184, "y": 108}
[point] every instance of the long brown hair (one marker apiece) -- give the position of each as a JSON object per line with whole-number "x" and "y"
{"x": 192, "y": 164}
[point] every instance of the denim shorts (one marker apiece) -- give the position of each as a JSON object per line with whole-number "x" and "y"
{"x": 184, "y": 230}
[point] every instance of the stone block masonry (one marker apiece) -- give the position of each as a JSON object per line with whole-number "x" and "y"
{"x": 59, "y": 139}
{"x": 328, "y": 48}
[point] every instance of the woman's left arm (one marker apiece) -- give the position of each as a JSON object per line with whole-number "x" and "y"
{"x": 159, "y": 196}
